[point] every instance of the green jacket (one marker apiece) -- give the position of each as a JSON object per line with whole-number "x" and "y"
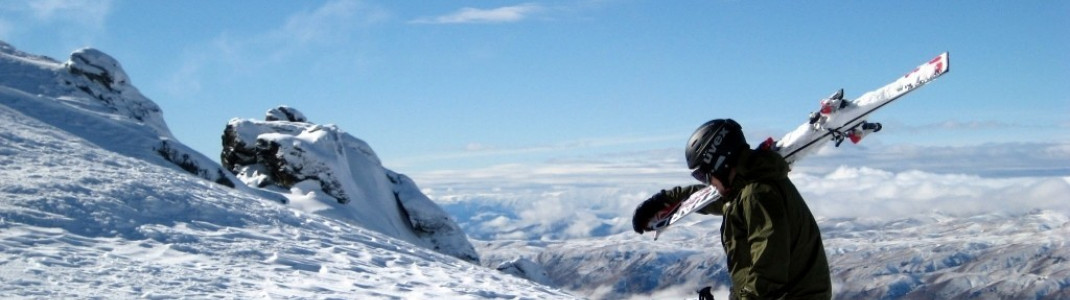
{"x": 772, "y": 240}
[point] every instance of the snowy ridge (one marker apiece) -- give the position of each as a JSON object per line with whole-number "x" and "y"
{"x": 98, "y": 203}
{"x": 91, "y": 96}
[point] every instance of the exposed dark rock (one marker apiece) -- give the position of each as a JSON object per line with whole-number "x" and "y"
{"x": 285, "y": 113}
{"x": 185, "y": 161}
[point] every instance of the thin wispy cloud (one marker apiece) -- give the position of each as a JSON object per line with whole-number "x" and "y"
{"x": 506, "y": 14}
{"x": 334, "y": 22}
{"x": 78, "y": 22}
{"x": 85, "y": 12}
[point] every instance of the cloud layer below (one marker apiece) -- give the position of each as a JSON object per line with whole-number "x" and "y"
{"x": 584, "y": 197}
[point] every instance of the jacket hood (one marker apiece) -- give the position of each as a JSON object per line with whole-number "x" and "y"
{"x": 759, "y": 165}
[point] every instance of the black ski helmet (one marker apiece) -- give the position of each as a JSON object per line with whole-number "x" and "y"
{"x": 714, "y": 147}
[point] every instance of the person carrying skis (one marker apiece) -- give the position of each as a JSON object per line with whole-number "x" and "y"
{"x": 771, "y": 239}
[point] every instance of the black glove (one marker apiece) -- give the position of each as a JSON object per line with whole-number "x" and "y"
{"x": 704, "y": 294}
{"x": 646, "y": 211}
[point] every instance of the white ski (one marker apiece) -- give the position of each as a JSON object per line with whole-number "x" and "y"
{"x": 838, "y": 119}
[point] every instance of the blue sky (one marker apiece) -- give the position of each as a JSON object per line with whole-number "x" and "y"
{"x": 443, "y": 85}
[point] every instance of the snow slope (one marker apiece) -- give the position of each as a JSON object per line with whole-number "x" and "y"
{"x": 98, "y": 201}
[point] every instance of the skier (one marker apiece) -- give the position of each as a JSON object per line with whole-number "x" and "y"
{"x": 772, "y": 241}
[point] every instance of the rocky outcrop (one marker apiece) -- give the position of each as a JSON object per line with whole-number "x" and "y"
{"x": 323, "y": 167}
{"x": 271, "y": 161}
{"x": 101, "y": 77}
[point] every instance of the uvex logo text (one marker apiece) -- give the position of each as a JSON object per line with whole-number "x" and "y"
{"x": 708, "y": 155}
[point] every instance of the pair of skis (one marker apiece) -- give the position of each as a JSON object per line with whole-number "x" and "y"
{"x": 837, "y": 119}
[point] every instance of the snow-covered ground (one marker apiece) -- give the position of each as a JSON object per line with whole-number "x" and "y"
{"x": 78, "y": 221}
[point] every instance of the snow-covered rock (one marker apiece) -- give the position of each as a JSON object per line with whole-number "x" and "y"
{"x": 100, "y": 76}
{"x": 100, "y": 104}
{"x": 327, "y": 171}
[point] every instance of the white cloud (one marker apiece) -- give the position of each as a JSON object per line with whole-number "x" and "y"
{"x": 586, "y": 208}
{"x": 871, "y": 193}
{"x": 507, "y": 14}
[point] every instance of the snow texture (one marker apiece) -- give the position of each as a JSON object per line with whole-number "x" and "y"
{"x": 92, "y": 208}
